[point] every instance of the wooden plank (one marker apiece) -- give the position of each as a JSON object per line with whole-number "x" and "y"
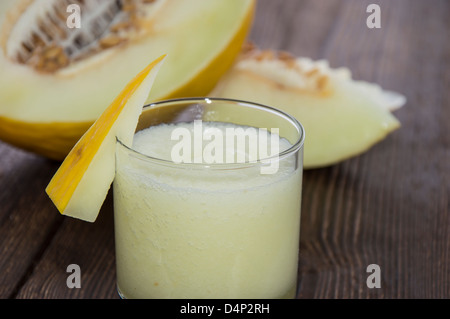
{"x": 87, "y": 245}
{"x": 26, "y": 221}
{"x": 389, "y": 206}
{"x": 300, "y": 27}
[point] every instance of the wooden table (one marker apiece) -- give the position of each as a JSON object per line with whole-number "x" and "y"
{"x": 389, "y": 206}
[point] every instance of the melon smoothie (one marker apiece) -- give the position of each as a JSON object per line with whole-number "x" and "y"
{"x": 201, "y": 215}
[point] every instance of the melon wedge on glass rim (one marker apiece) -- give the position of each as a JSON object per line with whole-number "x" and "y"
{"x": 79, "y": 187}
{"x": 55, "y": 80}
{"x": 342, "y": 117}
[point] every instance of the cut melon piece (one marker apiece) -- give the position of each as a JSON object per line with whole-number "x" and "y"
{"x": 341, "y": 117}
{"x": 55, "y": 80}
{"x": 79, "y": 187}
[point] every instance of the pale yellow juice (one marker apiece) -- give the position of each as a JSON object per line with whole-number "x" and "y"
{"x": 189, "y": 232}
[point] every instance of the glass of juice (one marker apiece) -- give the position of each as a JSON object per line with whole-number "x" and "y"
{"x": 207, "y": 202}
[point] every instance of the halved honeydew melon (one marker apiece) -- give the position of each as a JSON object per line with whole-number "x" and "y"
{"x": 48, "y": 111}
{"x": 79, "y": 187}
{"x": 342, "y": 117}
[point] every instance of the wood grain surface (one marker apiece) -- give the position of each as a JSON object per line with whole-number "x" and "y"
{"x": 389, "y": 206}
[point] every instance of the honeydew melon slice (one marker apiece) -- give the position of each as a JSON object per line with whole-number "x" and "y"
{"x": 55, "y": 81}
{"x": 79, "y": 187}
{"x": 341, "y": 117}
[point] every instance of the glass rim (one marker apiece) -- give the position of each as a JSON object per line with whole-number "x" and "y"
{"x": 209, "y": 100}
